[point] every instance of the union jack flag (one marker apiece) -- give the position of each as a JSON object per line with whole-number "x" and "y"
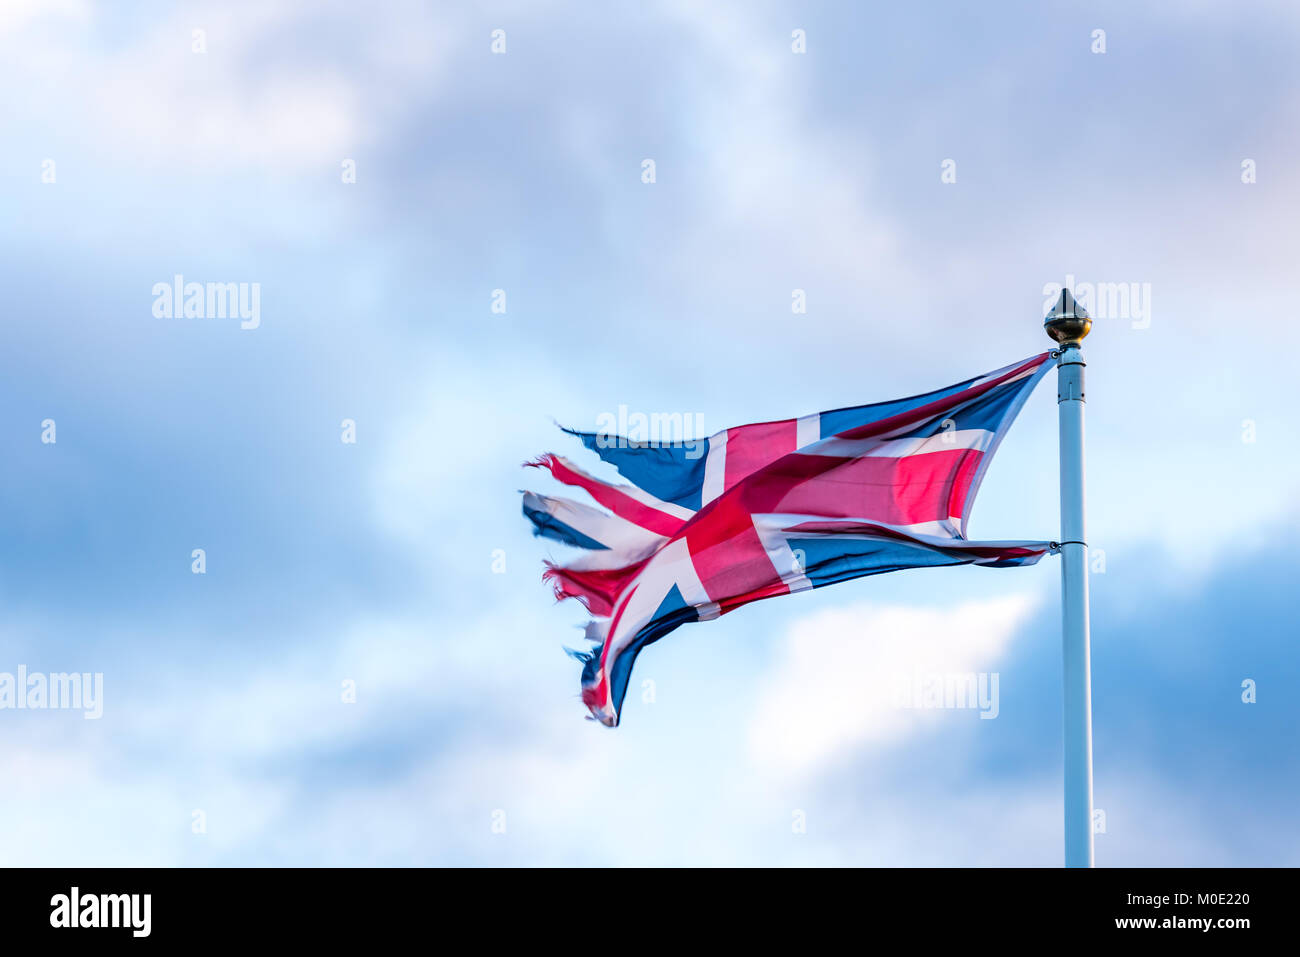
{"x": 772, "y": 508}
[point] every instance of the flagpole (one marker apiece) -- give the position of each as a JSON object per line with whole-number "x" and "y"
{"x": 1068, "y": 323}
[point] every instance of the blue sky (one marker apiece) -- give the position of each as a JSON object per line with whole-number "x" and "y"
{"x": 373, "y": 562}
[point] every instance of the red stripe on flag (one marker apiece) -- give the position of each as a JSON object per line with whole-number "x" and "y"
{"x": 957, "y": 546}
{"x": 728, "y": 555}
{"x": 614, "y": 499}
{"x": 597, "y": 589}
{"x": 750, "y": 447}
{"x": 932, "y": 409}
{"x": 896, "y": 491}
{"x": 961, "y": 482}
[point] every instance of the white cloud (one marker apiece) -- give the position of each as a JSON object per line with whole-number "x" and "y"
{"x": 257, "y": 96}
{"x": 834, "y": 688}
{"x": 233, "y": 740}
{"x": 773, "y": 179}
{"x": 15, "y": 14}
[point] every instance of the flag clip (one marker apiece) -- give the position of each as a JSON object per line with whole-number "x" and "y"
{"x": 1055, "y": 547}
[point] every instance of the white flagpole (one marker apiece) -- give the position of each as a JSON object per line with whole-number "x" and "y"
{"x": 1068, "y": 323}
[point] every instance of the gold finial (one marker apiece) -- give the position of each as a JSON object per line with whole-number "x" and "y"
{"x": 1068, "y": 322}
